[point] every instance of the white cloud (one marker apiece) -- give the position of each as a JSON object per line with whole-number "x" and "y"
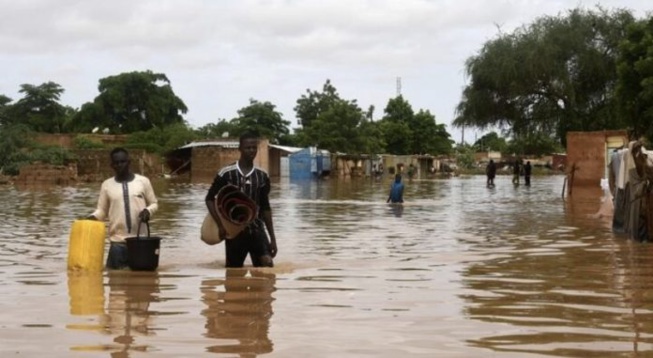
{"x": 218, "y": 54}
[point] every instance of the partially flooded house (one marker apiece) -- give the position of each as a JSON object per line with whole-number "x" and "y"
{"x": 588, "y": 155}
{"x": 202, "y": 160}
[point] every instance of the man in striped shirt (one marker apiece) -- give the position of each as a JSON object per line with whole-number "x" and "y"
{"x": 255, "y": 183}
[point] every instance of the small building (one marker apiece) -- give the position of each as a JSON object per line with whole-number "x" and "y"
{"x": 202, "y": 160}
{"x": 309, "y": 163}
{"x": 588, "y": 154}
{"x": 280, "y": 160}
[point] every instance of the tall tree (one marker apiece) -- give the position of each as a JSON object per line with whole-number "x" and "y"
{"x": 39, "y": 109}
{"x": 337, "y": 129}
{"x": 132, "y": 101}
{"x": 396, "y": 126}
{"x": 313, "y": 103}
{"x": 635, "y": 87}
{"x": 491, "y": 142}
{"x": 555, "y": 75}
{"x": 4, "y": 108}
{"x": 407, "y": 132}
{"x": 263, "y": 118}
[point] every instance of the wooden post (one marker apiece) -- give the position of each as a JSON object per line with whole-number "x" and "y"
{"x": 571, "y": 179}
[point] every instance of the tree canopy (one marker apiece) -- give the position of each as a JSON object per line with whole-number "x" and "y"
{"x": 263, "y": 118}
{"x": 635, "y": 86}
{"x": 407, "y": 132}
{"x": 39, "y": 108}
{"x": 555, "y": 75}
{"x": 331, "y": 122}
{"x": 130, "y": 102}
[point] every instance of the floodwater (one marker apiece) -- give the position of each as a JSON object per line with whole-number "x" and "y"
{"x": 459, "y": 271}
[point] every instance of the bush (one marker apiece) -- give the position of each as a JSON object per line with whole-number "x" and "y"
{"x": 51, "y": 155}
{"x": 82, "y": 142}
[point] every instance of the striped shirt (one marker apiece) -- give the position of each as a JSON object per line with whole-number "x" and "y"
{"x": 255, "y": 184}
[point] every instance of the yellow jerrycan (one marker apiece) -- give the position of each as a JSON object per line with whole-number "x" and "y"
{"x": 86, "y": 245}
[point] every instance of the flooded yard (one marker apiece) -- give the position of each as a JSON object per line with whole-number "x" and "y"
{"x": 460, "y": 270}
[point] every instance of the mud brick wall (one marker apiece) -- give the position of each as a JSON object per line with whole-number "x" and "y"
{"x": 47, "y": 174}
{"x": 587, "y": 151}
{"x": 95, "y": 164}
{"x": 207, "y": 161}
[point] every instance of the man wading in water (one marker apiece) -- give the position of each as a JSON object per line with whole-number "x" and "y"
{"x": 255, "y": 183}
{"x": 125, "y": 199}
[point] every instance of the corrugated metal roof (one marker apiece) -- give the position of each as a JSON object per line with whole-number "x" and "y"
{"x": 286, "y": 148}
{"x": 225, "y": 144}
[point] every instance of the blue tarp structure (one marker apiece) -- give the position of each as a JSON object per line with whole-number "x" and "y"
{"x": 309, "y": 163}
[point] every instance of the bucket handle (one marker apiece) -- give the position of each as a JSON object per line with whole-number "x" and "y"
{"x": 138, "y": 231}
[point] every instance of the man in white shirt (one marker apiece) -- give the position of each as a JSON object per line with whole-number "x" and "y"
{"x": 125, "y": 200}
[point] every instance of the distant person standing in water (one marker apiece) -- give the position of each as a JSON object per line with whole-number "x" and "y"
{"x": 396, "y": 191}
{"x": 125, "y": 199}
{"x": 527, "y": 173}
{"x": 516, "y": 168}
{"x": 491, "y": 172}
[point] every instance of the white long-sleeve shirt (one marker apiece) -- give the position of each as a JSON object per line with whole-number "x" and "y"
{"x": 121, "y": 202}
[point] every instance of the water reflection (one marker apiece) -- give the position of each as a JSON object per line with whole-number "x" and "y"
{"x": 238, "y": 311}
{"x": 397, "y": 210}
{"x": 128, "y": 312}
{"x": 86, "y": 293}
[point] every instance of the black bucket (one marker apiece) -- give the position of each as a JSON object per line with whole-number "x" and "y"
{"x": 143, "y": 252}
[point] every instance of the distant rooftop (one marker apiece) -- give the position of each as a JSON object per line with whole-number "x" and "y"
{"x": 222, "y": 143}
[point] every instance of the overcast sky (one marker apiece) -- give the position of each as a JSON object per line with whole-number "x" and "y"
{"x": 219, "y": 54}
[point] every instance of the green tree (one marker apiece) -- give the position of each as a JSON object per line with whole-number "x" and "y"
{"x": 555, "y": 75}
{"x": 313, "y": 103}
{"x": 219, "y": 129}
{"x": 39, "y": 108}
{"x": 162, "y": 139}
{"x": 337, "y": 129}
{"x": 263, "y": 118}
{"x": 491, "y": 142}
{"x": 396, "y": 126}
{"x": 534, "y": 144}
{"x": 4, "y": 108}
{"x": 443, "y": 144}
{"x": 14, "y": 140}
{"x": 465, "y": 156}
{"x": 428, "y": 136}
{"x": 130, "y": 102}
{"x": 635, "y": 85}
{"x": 407, "y": 132}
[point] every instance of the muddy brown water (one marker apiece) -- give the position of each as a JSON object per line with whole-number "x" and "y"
{"x": 459, "y": 271}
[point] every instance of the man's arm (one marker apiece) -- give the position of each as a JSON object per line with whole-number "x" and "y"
{"x": 150, "y": 200}
{"x": 266, "y": 212}
{"x": 102, "y": 207}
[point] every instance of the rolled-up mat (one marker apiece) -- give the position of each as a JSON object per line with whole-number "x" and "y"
{"x": 235, "y": 209}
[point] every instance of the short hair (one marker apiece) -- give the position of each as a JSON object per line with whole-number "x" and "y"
{"x": 118, "y": 150}
{"x": 397, "y": 177}
{"x": 248, "y": 135}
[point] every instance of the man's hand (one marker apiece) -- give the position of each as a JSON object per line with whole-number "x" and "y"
{"x": 222, "y": 233}
{"x": 144, "y": 215}
{"x": 273, "y": 248}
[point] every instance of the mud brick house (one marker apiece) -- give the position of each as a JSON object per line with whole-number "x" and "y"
{"x": 588, "y": 154}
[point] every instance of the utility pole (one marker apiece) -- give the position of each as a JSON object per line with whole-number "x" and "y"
{"x": 398, "y": 86}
